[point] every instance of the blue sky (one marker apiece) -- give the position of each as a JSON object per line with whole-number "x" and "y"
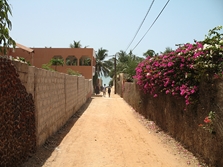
{"x": 112, "y": 24}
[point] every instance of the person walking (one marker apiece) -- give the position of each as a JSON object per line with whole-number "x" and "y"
{"x": 109, "y": 91}
{"x": 104, "y": 90}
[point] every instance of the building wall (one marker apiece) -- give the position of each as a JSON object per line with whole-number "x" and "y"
{"x": 44, "y": 55}
{"x": 57, "y": 97}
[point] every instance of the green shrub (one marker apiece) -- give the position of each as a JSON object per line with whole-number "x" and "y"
{"x": 72, "y": 72}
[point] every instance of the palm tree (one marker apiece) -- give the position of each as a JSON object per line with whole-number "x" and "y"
{"x": 150, "y": 53}
{"x": 102, "y": 66}
{"x": 56, "y": 62}
{"x": 122, "y": 56}
{"x": 167, "y": 50}
{"x": 126, "y": 63}
{"x": 76, "y": 44}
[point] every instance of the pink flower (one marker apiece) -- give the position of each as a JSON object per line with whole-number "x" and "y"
{"x": 187, "y": 102}
{"x": 199, "y": 45}
{"x": 183, "y": 60}
{"x": 192, "y": 91}
{"x": 216, "y": 76}
{"x": 182, "y": 92}
{"x": 170, "y": 64}
{"x": 155, "y": 95}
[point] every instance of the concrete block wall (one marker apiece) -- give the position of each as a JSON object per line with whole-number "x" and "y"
{"x": 49, "y": 102}
{"x": 57, "y": 97}
{"x": 30, "y": 80}
{"x": 88, "y": 87}
{"x": 22, "y": 70}
{"x": 71, "y": 95}
{"x": 81, "y": 91}
{"x": 26, "y": 75}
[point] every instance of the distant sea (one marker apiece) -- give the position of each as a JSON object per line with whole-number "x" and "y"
{"x": 106, "y": 80}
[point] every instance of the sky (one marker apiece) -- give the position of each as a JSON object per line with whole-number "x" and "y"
{"x": 112, "y": 24}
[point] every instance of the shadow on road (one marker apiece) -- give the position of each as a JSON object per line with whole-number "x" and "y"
{"x": 96, "y": 95}
{"x": 51, "y": 144}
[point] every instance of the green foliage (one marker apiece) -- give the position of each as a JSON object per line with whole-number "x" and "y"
{"x": 150, "y": 53}
{"x": 53, "y": 62}
{"x": 76, "y": 44}
{"x": 22, "y": 59}
{"x": 167, "y": 50}
{"x": 56, "y": 62}
{"x": 102, "y": 66}
{"x": 126, "y": 63}
{"x": 209, "y": 122}
{"x": 5, "y": 25}
{"x": 85, "y": 61}
{"x": 180, "y": 72}
{"x": 47, "y": 67}
{"x": 210, "y": 63}
{"x": 72, "y": 72}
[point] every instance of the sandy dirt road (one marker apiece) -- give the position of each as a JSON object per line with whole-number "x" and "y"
{"x": 107, "y": 132}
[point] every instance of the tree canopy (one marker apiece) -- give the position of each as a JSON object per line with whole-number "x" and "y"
{"x": 150, "y": 53}
{"x": 5, "y": 40}
{"x": 126, "y": 63}
{"x": 76, "y": 44}
{"x": 56, "y": 62}
{"x": 103, "y": 66}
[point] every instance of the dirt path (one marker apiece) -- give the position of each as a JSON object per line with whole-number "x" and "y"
{"x": 106, "y": 132}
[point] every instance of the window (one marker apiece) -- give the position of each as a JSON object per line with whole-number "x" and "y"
{"x": 71, "y": 61}
{"x": 85, "y": 61}
{"x": 58, "y": 57}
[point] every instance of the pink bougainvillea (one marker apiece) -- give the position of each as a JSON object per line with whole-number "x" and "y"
{"x": 179, "y": 72}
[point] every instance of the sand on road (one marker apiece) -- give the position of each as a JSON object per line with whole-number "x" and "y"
{"x": 107, "y": 132}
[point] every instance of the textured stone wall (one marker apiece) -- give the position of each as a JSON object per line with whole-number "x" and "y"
{"x": 88, "y": 88}
{"x": 220, "y": 93}
{"x": 171, "y": 114}
{"x": 57, "y": 97}
{"x": 26, "y": 75}
{"x": 34, "y": 104}
{"x": 50, "y": 103}
{"x": 219, "y": 105}
{"x": 71, "y": 95}
{"x": 81, "y": 91}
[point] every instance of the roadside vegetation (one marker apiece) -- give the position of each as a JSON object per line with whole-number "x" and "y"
{"x": 180, "y": 72}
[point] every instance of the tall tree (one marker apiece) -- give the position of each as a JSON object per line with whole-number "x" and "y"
{"x": 102, "y": 66}
{"x": 5, "y": 25}
{"x": 150, "y": 53}
{"x": 126, "y": 63}
{"x": 76, "y": 44}
{"x": 122, "y": 56}
{"x": 167, "y": 50}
